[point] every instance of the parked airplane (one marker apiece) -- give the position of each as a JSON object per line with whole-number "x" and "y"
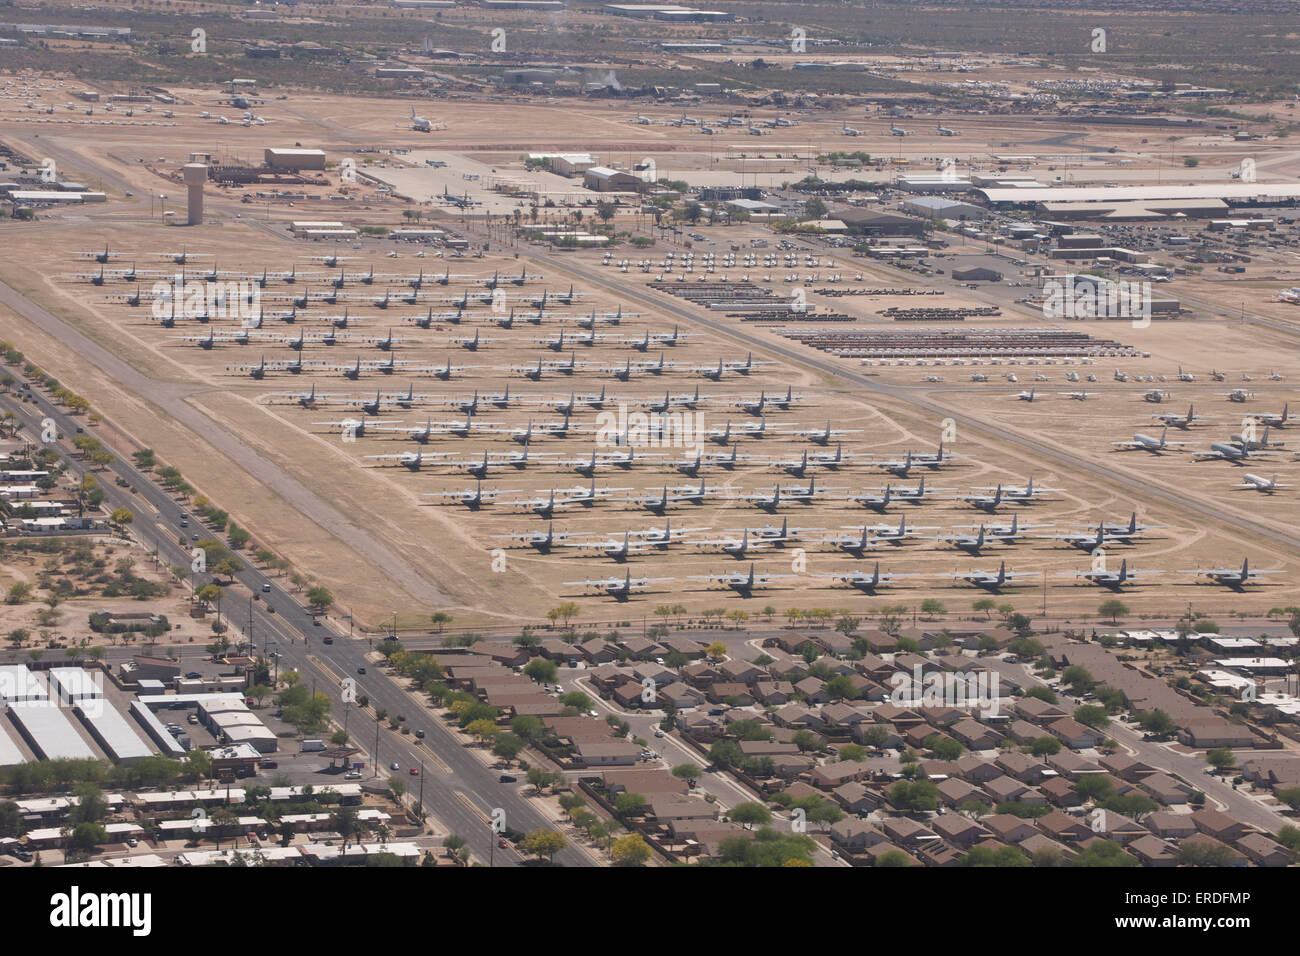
{"x": 945, "y": 131}
{"x": 472, "y": 498}
{"x": 536, "y": 539}
{"x": 619, "y": 588}
{"x": 1181, "y": 421}
{"x": 1233, "y": 578}
{"x": 867, "y": 583}
{"x": 991, "y": 581}
{"x": 1259, "y": 483}
{"x": 898, "y": 131}
{"x": 743, "y": 584}
{"x": 847, "y": 130}
{"x": 1114, "y": 580}
{"x": 1279, "y": 420}
{"x": 1227, "y": 451}
{"x": 1142, "y": 442}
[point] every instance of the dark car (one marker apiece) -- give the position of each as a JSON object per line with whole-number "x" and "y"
{"x": 329, "y": 640}
{"x": 419, "y": 734}
{"x": 361, "y": 670}
{"x": 193, "y": 675}
{"x": 507, "y": 778}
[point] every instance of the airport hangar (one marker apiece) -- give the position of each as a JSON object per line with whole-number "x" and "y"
{"x": 1205, "y": 200}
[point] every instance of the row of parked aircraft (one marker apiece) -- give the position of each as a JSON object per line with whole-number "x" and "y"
{"x": 745, "y": 583}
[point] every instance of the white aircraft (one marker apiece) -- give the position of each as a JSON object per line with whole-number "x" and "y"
{"x": 847, "y": 130}
{"x": 820, "y": 436}
{"x": 472, "y": 498}
{"x": 1237, "y": 395}
{"x": 971, "y": 543}
{"x": 1143, "y": 442}
{"x": 1227, "y": 451}
{"x": 898, "y": 131}
{"x": 1114, "y": 580}
{"x": 1181, "y": 421}
{"x": 740, "y": 583}
{"x": 1259, "y": 483}
{"x": 1155, "y": 396}
{"x": 1084, "y": 541}
{"x": 867, "y": 583}
{"x": 945, "y": 131}
{"x": 991, "y": 581}
{"x": 422, "y": 125}
{"x": 1023, "y": 494}
{"x": 880, "y": 499}
{"x": 871, "y": 535}
{"x": 1235, "y": 578}
{"x": 1028, "y": 396}
{"x": 616, "y": 587}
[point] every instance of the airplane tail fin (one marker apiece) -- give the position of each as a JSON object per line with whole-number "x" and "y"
{"x": 1245, "y": 568}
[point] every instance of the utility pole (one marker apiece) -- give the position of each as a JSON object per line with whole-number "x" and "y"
{"x": 375, "y": 757}
{"x": 421, "y": 801}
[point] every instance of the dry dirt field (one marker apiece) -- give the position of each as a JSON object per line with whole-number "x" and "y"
{"x": 366, "y": 528}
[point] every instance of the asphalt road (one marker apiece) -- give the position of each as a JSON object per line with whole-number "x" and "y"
{"x": 457, "y": 787}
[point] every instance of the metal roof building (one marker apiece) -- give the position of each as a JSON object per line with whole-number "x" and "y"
{"x": 159, "y": 734}
{"x": 48, "y": 731}
{"x": 113, "y": 733}
{"x": 71, "y": 684}
{"x": 9, "y": 752}
{"x": 18, "y": 683}
{"x": 1228, "y": 192}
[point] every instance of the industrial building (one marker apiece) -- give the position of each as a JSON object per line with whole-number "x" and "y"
{"x": 294, "y": 159}
{"x": 870, "y": 222}
{"x": 1205, "y": 200}
{"x": 605, "y": 180}
{"x": 937, "y": 207}
{"x": 17, "y": 683}
{"x": 113, "y": 733}
{"x": 48, "y": 732}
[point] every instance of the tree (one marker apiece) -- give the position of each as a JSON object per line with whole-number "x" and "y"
{"x": 1095, "y": 788}
{"x": 1045, "y": 746}
{"x": 482, "y": 729}
{"x": 564, "y": 612}
{"x": 1221, "y": 758}
{"x": 631, "y": 850}
{"x": 541, "y": 670}
{"x": 320, "y": 598}
{"x": 716, "y": 651}
{"x": 542, "y": 778}
{"x": 543, "y": 843}
{"x": 508, "y": 747}
{"x": 1091, "y": 715}
{"x": 932, "y": 607}
{"x": 629, "y": 804}
{"x": 1157, "y": 722}
{"x": 944, "y": 748}
{"x": 570, "y": 802}
{"x": 852, "y": 752}
{"x": 1104, "y": 853}
{"x": 749, "y": 813}
{"x": 122, "y": 516}
{"x": 980, "y": 856}
{"x": 1113, "y": 609}
{"x": 686, "y": 771}
{"x": 441, "y": 619}
{"x": 455, "y": 847}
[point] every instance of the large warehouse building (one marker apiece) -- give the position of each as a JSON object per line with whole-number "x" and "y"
{"x": 1143, "y": 202}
